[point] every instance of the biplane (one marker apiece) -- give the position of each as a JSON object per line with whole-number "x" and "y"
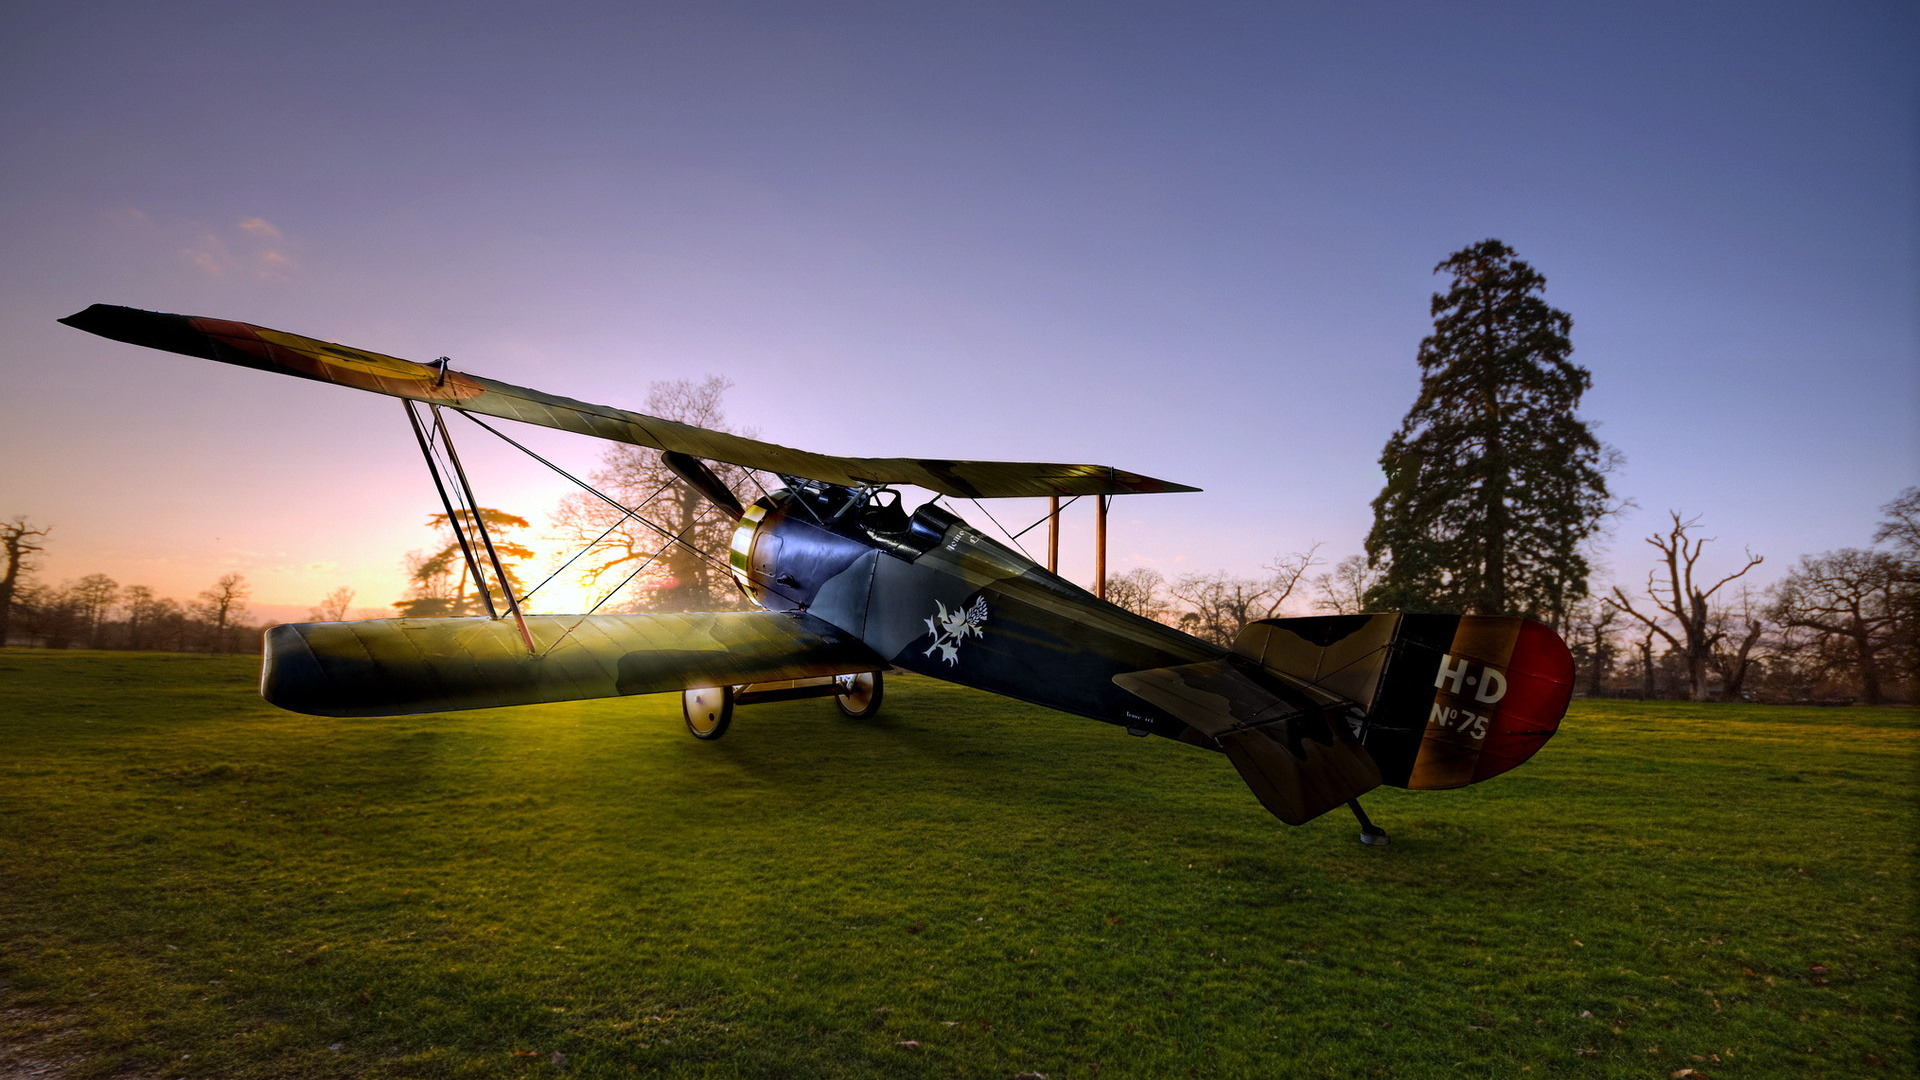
{"x": 848, "y": 585}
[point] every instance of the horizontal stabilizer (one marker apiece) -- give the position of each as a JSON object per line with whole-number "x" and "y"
{"x": 397, "y": 667}
{"x": 1290, "y": 745}
{"x": 308, "y": 358}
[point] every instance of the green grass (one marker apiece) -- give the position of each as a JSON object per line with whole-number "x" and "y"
{"x": 195, "y": 884}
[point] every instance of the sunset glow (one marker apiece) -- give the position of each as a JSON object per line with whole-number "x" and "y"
{"x": 1191, "y": 242}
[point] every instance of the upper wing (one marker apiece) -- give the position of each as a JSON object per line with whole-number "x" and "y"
{"x": 290, "y": 354}
{"x": 397, "y": 667}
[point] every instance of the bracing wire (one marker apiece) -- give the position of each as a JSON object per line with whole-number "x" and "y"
{"x": 479, "y": 524}
{"x": 595, "y": 542}
{"x": 1015, "y": 536}
{"x": 602, "y": 496}
{"x": 1003, "y": 529}
{"x": 718, "y": 564}
{"x": 1045, "y": 516}
{"x": 462, "y": 508}
{"x": 754, "y": 475}
{"x": 637, "y": 571}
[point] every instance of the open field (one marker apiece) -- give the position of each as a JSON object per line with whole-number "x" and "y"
{"x": 196, "y": 884}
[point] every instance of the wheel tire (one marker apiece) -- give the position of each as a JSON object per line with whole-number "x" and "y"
{"x": 862, "y": 694}
{"x": 708, "y": 711}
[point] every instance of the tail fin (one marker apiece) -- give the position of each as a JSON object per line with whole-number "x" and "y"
{"x": 1450, "y": 700}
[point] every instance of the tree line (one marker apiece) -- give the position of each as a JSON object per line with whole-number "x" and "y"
{"x": 1839, "y": 627}
{"x": 96, "y": 612}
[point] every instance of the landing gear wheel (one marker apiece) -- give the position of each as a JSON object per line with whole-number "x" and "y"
{"x": 708, "y": 711}
{"x": 860, "y": 694}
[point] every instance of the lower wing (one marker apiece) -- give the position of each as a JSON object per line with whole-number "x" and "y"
{"x": 396, "y": 667}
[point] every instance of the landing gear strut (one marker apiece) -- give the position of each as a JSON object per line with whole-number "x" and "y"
{"x": 1369, "y": 832}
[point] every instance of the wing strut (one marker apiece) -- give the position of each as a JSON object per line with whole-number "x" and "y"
{"x": 471, "y": 506}
{"x": 1100, "y": 503}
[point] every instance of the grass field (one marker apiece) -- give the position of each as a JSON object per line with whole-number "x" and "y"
{"x": 195, "y": 884}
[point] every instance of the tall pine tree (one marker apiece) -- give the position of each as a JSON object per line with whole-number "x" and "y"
{"x": 1494, "y": 485}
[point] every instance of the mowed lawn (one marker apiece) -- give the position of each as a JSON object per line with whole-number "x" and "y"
{"x": 193, "y": 883}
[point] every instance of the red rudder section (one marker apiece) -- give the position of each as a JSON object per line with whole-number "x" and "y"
{"x": 1540, "y": 684}
{"x": 1500, "y": 691}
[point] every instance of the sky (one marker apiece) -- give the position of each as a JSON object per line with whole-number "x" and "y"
{"x": 1194, "y": 240}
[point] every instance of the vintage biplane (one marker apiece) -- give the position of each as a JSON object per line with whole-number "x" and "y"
{"x": 848, "y": 585}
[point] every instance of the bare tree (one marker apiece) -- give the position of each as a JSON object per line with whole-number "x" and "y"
{"x": 52, "y": 615}
{"x": 1590, "y": 639}
{"x": 1343, "y": 590}
{"x": 1901, "y": 526}
{"x": 1676, "y": 596}
{"x": 22, "y": 540}
{"x": 1737, "y": 629}
{"x": 93, "y": 597}
{"x": 1288, "y": 571}
{"x": 221, "y": 608}
{"x": 334, "y": 607}
{"x": 1900, "y": 529}
{"x": 1219, "y": 605}
{"x": 1649, "y": 671}
{"x": 1848, "y": 597}
{"x": 677, "y": 563}
{"x": 145, "y": 612}
{"x": 1142, "y": 591}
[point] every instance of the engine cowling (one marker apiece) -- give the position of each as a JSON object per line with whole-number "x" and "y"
{"x": 790, "y": 543}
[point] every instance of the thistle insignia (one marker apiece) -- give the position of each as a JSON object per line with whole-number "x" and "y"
{"x": 950, "y": 628}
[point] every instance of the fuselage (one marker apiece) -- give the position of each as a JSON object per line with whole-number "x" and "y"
{"x": 932, "y": 595}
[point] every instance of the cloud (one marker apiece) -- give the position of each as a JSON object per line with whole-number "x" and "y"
{"x": 210, "y": 254}
{"x": 275, "y": 264}
{"x": 132, "y": 217}
{"x": 251, "y": 247}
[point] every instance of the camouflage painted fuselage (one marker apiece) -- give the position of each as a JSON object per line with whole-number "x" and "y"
{"x": 1420, "y": 701}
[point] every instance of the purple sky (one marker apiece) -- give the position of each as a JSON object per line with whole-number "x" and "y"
{"x": 1193, "y": 240}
